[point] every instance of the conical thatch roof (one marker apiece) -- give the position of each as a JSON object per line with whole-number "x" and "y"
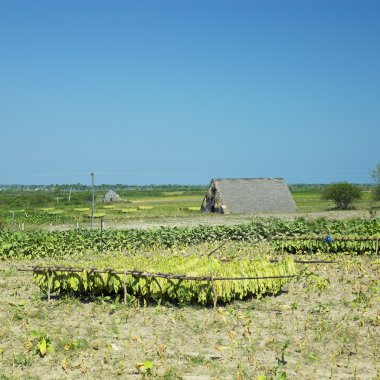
{"x": 244, "y": 195}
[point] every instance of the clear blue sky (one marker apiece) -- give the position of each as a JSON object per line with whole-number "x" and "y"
{"x": 143, "y": 92}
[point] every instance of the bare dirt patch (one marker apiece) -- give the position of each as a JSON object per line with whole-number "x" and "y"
{"x": 213, "y": 219}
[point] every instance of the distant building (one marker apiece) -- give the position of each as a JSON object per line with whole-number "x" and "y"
{"x": 248, "y": 195}
{"x": 111, "y": 196}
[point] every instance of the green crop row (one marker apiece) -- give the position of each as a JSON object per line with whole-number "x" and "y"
{"x": 312, "y": 245}
{"x": 37, "y": 244}
{"x": 167, "y": 289}
{"x": 36, "y": 217}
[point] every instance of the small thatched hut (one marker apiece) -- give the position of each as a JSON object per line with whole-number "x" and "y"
{"x": 111, "y": 196}
{"x": 245, "y": 195}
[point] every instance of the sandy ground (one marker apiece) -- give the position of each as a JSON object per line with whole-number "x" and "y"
{"x": 324, "y": 327}
{"x": 213, "y": 220}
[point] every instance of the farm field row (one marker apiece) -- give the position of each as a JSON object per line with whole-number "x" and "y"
{"x": 35, "y": 244}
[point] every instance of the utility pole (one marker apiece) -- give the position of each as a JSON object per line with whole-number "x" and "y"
{"x": 93, "y": 201}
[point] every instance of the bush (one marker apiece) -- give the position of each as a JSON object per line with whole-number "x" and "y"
{"x": 30, "y": 199}
{"x": 376, "y": 192}
{"x": 78, "y": 198}
{"x": 343, "y": 194}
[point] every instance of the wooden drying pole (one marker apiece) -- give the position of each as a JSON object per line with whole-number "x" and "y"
{"x": 139, "y": 273}
{"x": 316, "y": 238}
{"x": 93, "y": 200}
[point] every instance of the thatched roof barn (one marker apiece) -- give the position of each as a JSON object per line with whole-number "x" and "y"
{"x": 244, "y": 195}
{"x": 111, "y": 196}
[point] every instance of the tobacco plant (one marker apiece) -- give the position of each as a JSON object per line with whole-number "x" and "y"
{"x": 38, "y": 244}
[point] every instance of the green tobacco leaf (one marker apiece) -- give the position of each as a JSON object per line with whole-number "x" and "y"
{"x": 42, "y": 347}
{"x": 148, "y": 364}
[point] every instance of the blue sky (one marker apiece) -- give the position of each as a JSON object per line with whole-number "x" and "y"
{"x": 143, "y": 92}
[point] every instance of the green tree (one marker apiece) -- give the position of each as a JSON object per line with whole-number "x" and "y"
{"x": 376, "y": 192}
{"x": 375, "y": 174}
{"x": 343, "y": 194}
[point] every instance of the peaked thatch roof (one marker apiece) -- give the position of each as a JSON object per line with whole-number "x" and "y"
{"x": 243, "y": 195}
{"x": 111, "y": 196}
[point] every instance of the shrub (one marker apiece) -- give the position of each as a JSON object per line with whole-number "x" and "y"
{"x": 376, "y": 192}
{"x": 375, "y": 173}
{"x": 343, "y": 194}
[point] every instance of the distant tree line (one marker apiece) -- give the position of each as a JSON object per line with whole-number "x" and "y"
{"x": 104, "y": 187}
{"x": 41, "y": 199}
{"x": 14, "y": 197}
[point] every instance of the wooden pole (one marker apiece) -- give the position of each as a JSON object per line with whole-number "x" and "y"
{"x": 125, "y": 287}
{"x": 93, "y": 201}
{"x": 214, "y": 291}
{"x": 214, "y": 250}
{"x": 139, "y": 273}
{"x": 50, "y": 285}
{"x": 101, "y": 234}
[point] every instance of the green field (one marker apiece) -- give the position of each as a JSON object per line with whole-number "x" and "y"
{"x": 311, "y": 201}
{"x": 20, "y": 208}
